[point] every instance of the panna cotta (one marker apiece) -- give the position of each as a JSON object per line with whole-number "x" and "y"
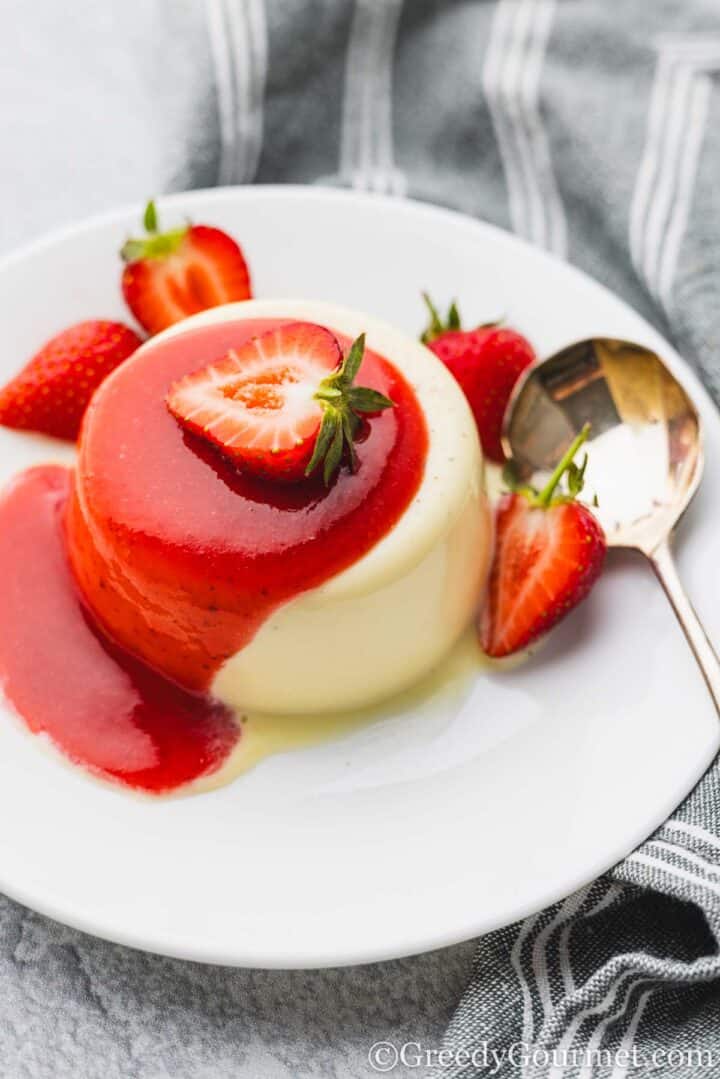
{"x": 272, "y": 598}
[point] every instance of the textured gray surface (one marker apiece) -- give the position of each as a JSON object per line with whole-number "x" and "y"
{"x": 532, "y": 114}
{"x": 72, "y": 1005}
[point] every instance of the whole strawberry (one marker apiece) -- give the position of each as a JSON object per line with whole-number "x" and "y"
{"x": 170, "y": 275}
{"x": 549, "y": 551}
{"x": 487, "y": 362}
{"x": 52, "y": 391}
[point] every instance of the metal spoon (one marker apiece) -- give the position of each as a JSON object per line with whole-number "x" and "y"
{"x": 645, "y": 453}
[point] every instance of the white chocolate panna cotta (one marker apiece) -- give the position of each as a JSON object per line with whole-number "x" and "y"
{"x": 279, "y": 598}
{"x": 387, "y": 620}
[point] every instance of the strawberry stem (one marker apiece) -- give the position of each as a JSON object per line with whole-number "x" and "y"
{"x": 545, "y": 497}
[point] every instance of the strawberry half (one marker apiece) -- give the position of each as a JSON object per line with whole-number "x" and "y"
{"x": 170, "y": 275}
{"x": 282, "y": 404}
{"x": 52, "y": 391}
{"x": 549, "y": 551}
{"x": 487, "y": 362}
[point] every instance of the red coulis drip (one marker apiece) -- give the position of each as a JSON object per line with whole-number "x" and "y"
{"x": 101, "y": 707}
{"x": 180, "y": 558}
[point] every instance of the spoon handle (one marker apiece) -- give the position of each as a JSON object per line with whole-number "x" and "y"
{"x": 664, "y": 565}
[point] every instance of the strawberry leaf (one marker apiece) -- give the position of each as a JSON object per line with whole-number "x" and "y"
{"x": 350, "y": 425}
{"x": 364, "y": 399}
{"x": 155, "y": 244}
{"x": 334, "y": 455}
{"x": 452, "y": 324}
{"x": 436, "y": 327}
{"x": 326, "y": 435}
{"x": 343, "y": 404}
{"x": 576, "y": 477}
{"x": 351, "y": 363}
{"x": 150, "y": 219}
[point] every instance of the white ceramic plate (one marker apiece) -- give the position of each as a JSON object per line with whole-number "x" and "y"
{"x": 444, "y": 820}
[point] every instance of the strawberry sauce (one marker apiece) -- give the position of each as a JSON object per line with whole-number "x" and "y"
{"x": 180, "y": 556}
{"x": 131, "y": 580}
{"x": 101, "y": 707}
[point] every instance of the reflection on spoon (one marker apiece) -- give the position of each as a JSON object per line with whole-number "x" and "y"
{"x": 645, "y": 453}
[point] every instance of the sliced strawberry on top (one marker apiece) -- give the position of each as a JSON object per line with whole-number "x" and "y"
{"x": 281, "y": 404}
{"x": 549, "y": 551}
{"x": 170, "y": 275}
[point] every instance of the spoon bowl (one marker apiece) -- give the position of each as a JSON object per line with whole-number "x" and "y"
{"x": 644, "y": 446}
{"x": 644, "y": 450}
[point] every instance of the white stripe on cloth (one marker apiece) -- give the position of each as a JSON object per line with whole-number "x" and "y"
{"x": 603, "y": 1011}
{"x": 673, "y": 871}
{"x": 564, "y": 918}
{"x": 639, "y": 967}
{"x": 238, "y": 40}
{"x": 565, "y": 967}
{"x": 540, "y": 966}
{"x": 689, "y": 162}
{"x": 665, "y": 183}
{"x": 528, "y": 1023}
{"x": 672, "y": 132}
{"x": 594, "y": 1042}
{"x": 511, "y": 84}
{"x": 613, "y": 892}
{"x": 648, "y": 170}
{"x": 220, "y": 48}
{"x": 693, "y": 830}
{"x": 366, "y": 147}
{"x": 702, "y": 864}
{"x": 248, "y": 35}
{"x": 624, "y": 1049}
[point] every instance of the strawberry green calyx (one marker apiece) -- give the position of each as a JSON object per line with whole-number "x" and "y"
{"x": 452, "y": 324}
{"x": 150, "y": 217}
{"x": 567, "y": 469}
{"x": 156, "y": 244}
{"x": 436, "y": 326}
{"x": 343, "y": 405}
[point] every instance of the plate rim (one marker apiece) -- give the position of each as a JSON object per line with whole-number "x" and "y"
{"x": 432, "y": 939}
